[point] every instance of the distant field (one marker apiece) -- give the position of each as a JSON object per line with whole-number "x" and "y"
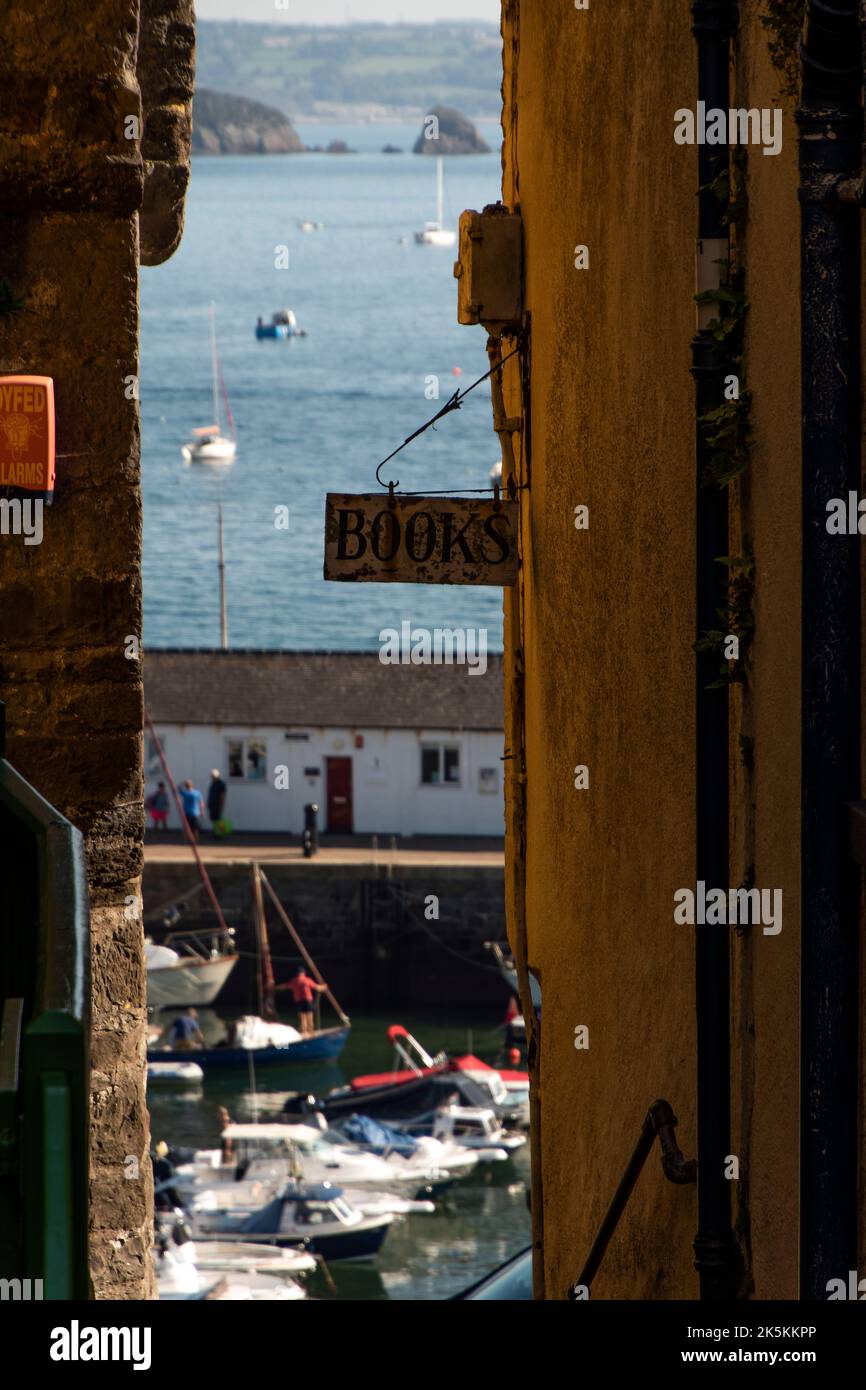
{"x": 407, "y": 66}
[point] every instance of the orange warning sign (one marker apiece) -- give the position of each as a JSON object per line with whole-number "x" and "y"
{"x": 27, "y": 432}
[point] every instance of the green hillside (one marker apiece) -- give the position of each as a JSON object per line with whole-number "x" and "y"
{"x": 310, "y": 70}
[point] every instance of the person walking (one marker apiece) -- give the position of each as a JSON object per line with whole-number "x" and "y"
{"x": 157, "y": 805}
{"x": 193, "y": 806}
{"x": 216, "y": 798}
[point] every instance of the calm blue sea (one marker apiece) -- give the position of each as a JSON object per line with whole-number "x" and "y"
{"x": 315, "y": 414}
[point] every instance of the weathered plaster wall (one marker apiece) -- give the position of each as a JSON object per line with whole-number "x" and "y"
{"x": 607, "y": 628}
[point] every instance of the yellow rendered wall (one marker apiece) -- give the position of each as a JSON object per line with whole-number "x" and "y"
{"x": 608, "y": 623}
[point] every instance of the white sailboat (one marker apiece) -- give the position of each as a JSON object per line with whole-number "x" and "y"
{"x": 434, "y": 234}
{"x": 191, "y": 975}
{"x": 209, "y": 444}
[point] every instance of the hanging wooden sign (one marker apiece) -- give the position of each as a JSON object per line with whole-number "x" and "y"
{"x": 27, "y": 433}
{"x": 420, "y": 540}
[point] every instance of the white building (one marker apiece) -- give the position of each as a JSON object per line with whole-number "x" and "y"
{"x": 406, "y": 750}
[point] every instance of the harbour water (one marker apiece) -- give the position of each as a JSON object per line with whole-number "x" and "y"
{"x": 315, "y": 414}
{"x": 480, "y": 1222}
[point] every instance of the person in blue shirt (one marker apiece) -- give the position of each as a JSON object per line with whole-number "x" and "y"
{"x": 193, "y": 806}
{"x": 185, "y": 1032}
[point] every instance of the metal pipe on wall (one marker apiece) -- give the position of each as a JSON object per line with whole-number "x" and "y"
{"x": 830, "y": 120}
{"x": 716, "y": 1255}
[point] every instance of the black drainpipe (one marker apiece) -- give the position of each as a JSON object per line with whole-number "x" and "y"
{"x": 713, "y": 23}
{"x": 831, "y": 129}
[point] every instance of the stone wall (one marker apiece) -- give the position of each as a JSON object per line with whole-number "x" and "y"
{"x": 71, "y": 184}
{"x": 367, "y": 932}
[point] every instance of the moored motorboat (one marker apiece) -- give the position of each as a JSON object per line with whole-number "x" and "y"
{"x": 440, "y": 1150}
{"x": 474, "y": 1127}
{"x": 421, "y": 1085}
{"x": 283, "y": 324}
{"x": 271, "y": 1154}
{"x": 316, "y": 1214}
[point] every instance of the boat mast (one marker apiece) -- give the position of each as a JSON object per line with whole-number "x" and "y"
{"x": 266, "y": 972}
{"x": 440, "y": 193}
{"x": 203, "y": 873}
{"x": 224, "y": 622}
{"x": 308, "y": 959}
{"x": 214, "y": 366}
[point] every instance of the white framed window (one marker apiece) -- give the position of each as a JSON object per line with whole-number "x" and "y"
{"x": 152, "y": 764}
{"x": 440, "y": 765}
{"x": 246, "y": 759}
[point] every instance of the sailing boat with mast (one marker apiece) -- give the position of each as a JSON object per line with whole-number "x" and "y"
{"x": 434, "y": 234}
{"x": 209, "y": 444}
{"x": 260, "y": 1038}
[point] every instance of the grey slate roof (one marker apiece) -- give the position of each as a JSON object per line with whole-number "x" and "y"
{"x": 316, "y": 690}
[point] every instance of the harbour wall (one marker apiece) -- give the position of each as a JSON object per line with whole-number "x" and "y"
{"x": 371, "y": 930}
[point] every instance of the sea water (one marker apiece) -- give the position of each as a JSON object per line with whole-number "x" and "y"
{"x": 314, "y": 414}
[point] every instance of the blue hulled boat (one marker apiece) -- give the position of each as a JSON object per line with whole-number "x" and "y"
{"x": 318, "y": 1215}
{"x": 325, "y": 1045}
{"x": 283, "y": 324}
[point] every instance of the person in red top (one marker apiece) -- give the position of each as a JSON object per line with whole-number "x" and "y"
{"x": 302, "y": 988}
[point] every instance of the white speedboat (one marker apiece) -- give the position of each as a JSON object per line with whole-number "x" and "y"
{"x": 399, "y": 1147}
{"x": 208, "y": 443}
{"x": 434, "y": 234}
{"x": 193, "y": 974}
{"x": 326, "y": 1156}
{"x": 475, "y": 1128}
{"x": 271, "y": 1154}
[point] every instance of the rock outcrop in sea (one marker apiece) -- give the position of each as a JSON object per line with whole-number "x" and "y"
{"x": 456, "y": 134}
{"x": 224, "y": 124}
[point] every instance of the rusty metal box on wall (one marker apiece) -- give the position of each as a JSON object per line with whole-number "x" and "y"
{"x": 489, "y": 271}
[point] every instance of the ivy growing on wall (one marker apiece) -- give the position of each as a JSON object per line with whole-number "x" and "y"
{"x": 783, "y": 21}
{"x": 729, "y": 428}
{"x": 736, "y": 619}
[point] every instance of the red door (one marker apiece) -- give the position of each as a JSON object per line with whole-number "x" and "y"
{"x": 339, "y": 779}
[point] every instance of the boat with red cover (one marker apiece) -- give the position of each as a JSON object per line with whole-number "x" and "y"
{"x": 421, "y": 1084}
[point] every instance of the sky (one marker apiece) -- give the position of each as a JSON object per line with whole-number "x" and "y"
{"x": 339, "y": 11}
